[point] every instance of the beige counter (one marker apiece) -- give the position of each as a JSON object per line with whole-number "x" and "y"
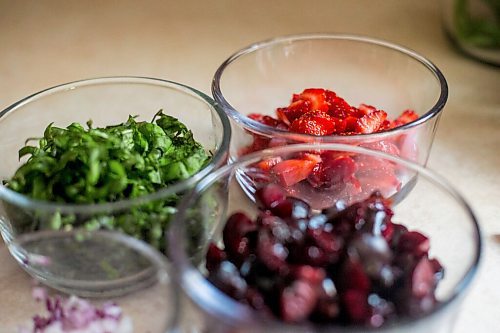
{"x": 43, "y": 43}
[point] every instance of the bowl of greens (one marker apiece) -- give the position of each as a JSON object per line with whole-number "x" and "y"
{"x": 106, "y": 154}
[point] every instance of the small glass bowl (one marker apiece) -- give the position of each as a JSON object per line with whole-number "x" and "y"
{"x": 83, "y": 263}
{"x": 433, "y": 208}
{"x": 153, "y": 309}
{"x": 263, "y": 77}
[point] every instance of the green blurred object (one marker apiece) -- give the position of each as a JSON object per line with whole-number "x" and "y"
{"x": 474, "y": 25}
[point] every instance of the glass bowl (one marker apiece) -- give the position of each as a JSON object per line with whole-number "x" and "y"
{"x": 474, "y": 27}
{"x": 84, "y": 263}
{"x": 359, "y": 69}
{"x": 433, "y": 208}
{"x": 153, "y": 309}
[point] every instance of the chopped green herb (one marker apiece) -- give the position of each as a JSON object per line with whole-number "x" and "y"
{"x": 98, "y": 165}
{"x": 478, "y": 30}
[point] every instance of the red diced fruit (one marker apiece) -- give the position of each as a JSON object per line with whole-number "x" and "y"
{"x": 355, "y": 277}
{"x": 214, "y": 256}
{"x": 371, "y": 122}
{"x": 422, "y": 283}
{"x": 315, "y": 97}
{"x": 288, "y": 114}
{"x": 334, "y": 169}
{"x": 311, "y": 157}
{"x": 384, "y": 146}
{"x": 314, "y": 123}
{"x": 235, "y": 235}
{"x": 351, "y": 124}
{"x": 268, "y": 163}
{"x": 345, "y": 265}
{"x": 365, "y": 109}
{"x": 298, "y": 301}
{"x": 270, "y": 251}
{"x": 321, "y": 112}
{"x": 292, "y": 207}
{"x": 406, "y": 117}
{"x": 415, "y": 243}
{"x": 356, "y": 305}
{"x": 313, "y": 275}
{"x": 270, "y": 196}
{"x": 263, "y": 119}
{"x": 290, "y": 172}
{"x": 337, "y": 106}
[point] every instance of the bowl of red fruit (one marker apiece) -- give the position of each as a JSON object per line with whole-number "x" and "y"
{"x": 275, "y": 261}
{"x": 331, "y": 88}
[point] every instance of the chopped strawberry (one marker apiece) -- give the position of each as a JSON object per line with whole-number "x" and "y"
{"x": 335, "y": 169}
{"x": 338, "y": 107}
{"x": 314, "y": 123}
{"x": 316, "y": 98}
{"x": 293, "y": 111}
{"x": 406, "y": 117}
{"x": 263, "y": 119}
{"x": 321, "y": 112}
{"x": 311, "y": 157}
{"x": 351, "y": 124}
{"x": 268, "y": 163}
{"x": 386, "y": 125}
{"x": 365, "y": 109}
{"x": 340, "y": 124}
{"x": 371, "y": 122}
{"x": 383, "y": 145}
{"x": 290, "y": 172}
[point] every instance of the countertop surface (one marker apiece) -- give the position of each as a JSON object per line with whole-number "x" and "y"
{"x": 44, "y": 43}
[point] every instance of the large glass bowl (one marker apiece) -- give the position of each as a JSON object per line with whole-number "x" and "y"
{"x": 81, "y": 262}
{"x": 433, "y": 208}
{"x": 263, "y": 77}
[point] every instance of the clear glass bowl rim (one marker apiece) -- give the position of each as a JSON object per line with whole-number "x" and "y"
{"x": 257, "y": 127}
{"x": 66, "y": 208}
{"x": 214, "y": 301}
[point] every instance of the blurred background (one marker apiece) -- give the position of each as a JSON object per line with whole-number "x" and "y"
{"x": 44, "y": 43}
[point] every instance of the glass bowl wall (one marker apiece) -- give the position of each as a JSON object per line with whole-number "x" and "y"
{"x": 263, "y": 77}
{"x": 81, "y": 262}
{"x": 433, "y": 208}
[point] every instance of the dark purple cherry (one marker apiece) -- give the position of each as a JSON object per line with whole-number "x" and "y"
{"x": 422, "y": 278}
{"x": 292, "y": 208}
{"x": 355, "y": 305}
{"x": 214, "y": 257}
{"x": 353, "y": 276}
{"x": 374, "y": 254}
{"x": 415, "y": 243}
{"x": 314, "y": 275}
{"x": 235, "y": 235}
{"x": 270, "y": 196}
{"x": 328, "y": 306}
{"x": 298, "y": 301}
{"x": 270, "y": 251}
{"x": 398, "y": 230}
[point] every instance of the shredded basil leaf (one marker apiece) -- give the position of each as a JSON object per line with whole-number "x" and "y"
{"x": 88, "y": 165}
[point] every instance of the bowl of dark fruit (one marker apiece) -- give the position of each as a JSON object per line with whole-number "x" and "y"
{"x": 95, "y": 156}
{"x": 274, "y": 260}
